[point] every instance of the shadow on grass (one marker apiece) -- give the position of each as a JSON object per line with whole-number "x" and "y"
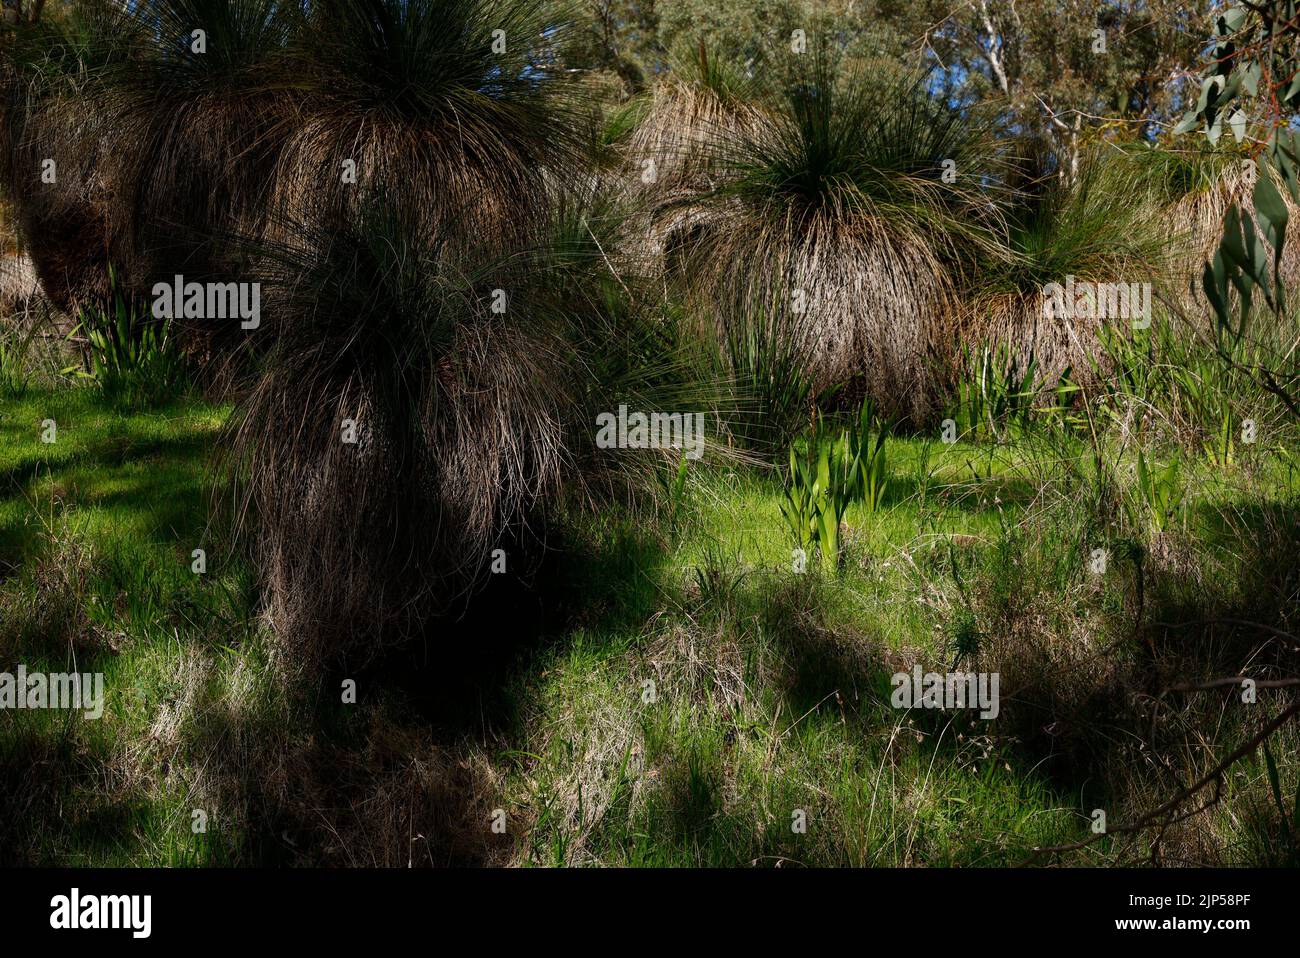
{"x": 399, "y": 777}
{"x": 456, "y": 676}
{"x": 1108, "y": 726}
{"x": 162, "y": 496}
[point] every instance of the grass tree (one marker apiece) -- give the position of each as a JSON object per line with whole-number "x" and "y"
{"x": 847, "y": 213}
{"x": 417, "y": 396}
{"x": 704, "y": 100}
{"x": 450, "y": 107}
{"x": 423, "y": 405}
{"x": 161, "y": 117}
{"x": 1105, "y": 225}
{"x": 52, "y": 161}
{"x": 194, "y": 123}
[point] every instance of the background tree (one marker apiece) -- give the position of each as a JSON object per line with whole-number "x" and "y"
{"x": 1068, "y": 71}
{"x": 1251, "y": 87}
{"x": 617, "y": 43}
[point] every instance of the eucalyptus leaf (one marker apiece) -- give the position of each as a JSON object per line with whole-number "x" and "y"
{"x": 1237, "y": 122}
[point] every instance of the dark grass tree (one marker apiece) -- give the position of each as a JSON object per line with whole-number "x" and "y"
{"x": 423, "y": 404}
{"x": 194, "y": 120}
{"x": 53, "y": 164}
{"x": 454, "y": 107}
{"x": 163, "y": 118}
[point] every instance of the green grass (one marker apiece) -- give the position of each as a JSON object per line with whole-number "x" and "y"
{"x": 695, "y": 698}
{"x": 96, "y": 530}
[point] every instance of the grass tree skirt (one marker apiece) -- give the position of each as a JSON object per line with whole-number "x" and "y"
{"x": 382, "y": 511}
{"x": 853, "y": 307}
{"x": 415, "y": 406}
